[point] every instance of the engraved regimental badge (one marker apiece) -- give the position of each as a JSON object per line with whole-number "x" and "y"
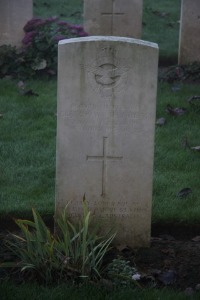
{"x": 107, "y": 74}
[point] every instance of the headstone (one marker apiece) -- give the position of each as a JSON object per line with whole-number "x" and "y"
{"x": 105, "y": 132}
{"x": 189, "y": 43}
{"x": 113, "y": 17}
{"x": 14, "y": 14}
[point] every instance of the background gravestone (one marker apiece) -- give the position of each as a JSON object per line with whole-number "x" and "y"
{"x": 189, "y": 43}
{"x": 105, "y": 132}
{"x": 14, "y": 14}
{"x": 113, "y": 17}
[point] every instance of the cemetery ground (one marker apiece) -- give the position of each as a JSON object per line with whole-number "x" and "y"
{"x": 28, "y": 135}
{"x": 28, "y": 130}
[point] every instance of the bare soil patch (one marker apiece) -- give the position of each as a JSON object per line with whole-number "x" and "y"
{"x": 173, "y": 258}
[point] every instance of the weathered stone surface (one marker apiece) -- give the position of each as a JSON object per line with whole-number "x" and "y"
{"x": 113, "y": 17}
{"x": 14, "y": 14}
{"x": 105, "y": 132}
{"x": 189, "y": 42}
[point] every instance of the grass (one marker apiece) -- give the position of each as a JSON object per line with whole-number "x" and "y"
{"x": 70, "y": 10}
{"x": 175, "y": 167}
{"x": 28, "y": 134}
{"x": 28, "y": 130}
{"x": 27, "y": 147}
{"x": 9, "y": 291}
{"x": 161, "y": 25}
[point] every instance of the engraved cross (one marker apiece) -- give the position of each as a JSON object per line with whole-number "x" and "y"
{"x": 103, "y": 158}
{"x": 112, "y": 15}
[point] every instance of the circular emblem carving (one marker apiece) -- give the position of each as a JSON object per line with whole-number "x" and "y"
{"x": 107, "y": 74}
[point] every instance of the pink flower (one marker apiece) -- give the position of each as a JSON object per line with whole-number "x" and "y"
{"x": 32, "y": 24}
{"x": 82, "y": 34}
{"x": 51, "y": 19}
{"x": 59, "y": 37}
{"x": 62, "y": 23}
{"x": 76, "y": 27}
{"x": 29, "y": 37}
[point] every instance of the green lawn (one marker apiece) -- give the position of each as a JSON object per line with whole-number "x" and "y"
{"x": 176, "y": 167}
{"x": 161, "y": 25}
{"x": 27, "y": 146}
{"x": 28, "y": 134}
{"x": 70, "y": 10}
{"x": 34, "y": 292}
{"x": 28, "y": 129}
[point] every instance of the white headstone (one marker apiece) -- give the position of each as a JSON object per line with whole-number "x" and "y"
{"x": 14, "y": 14}
{"x": 189, "y": 43}
{"x": 105, "y": 132}
{"x": 113, "y": 17}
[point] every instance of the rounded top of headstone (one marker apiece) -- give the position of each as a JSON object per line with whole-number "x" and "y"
{"x": 108, "y": 39}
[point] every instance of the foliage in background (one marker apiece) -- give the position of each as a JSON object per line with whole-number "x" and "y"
{"x": 188, "y": 73}
{"x": 38, "y": 53}
{"x": 160, "y": 25}
{"x": 75, "y": 251}
{"x": 8, "y": 60}
{"x": 161, "y": 20}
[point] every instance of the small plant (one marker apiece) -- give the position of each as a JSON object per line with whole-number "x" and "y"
{"x": 75, "y": 252}
{"x": 121, "y": 273}
{"x": 38, "y": 54}
{"x": 8, "y": 60}
{"x": 41, "y": 40}
{"x": 184, "y": 73}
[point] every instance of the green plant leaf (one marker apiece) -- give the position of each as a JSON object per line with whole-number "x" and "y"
{"x": 74, "y": 251}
